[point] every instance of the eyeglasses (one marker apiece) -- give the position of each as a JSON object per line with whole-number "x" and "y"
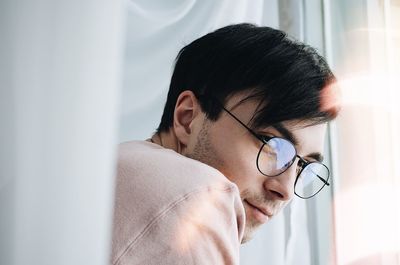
{"x": 277, "y": 154}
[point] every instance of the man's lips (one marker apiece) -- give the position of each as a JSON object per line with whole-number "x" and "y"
{"x": 263, "y": 210}
{"x": 259, "y": 213}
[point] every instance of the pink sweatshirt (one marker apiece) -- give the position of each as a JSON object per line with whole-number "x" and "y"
{"x": 170, "y": 209}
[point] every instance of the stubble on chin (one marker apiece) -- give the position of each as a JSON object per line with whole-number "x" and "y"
{"x": 249, "y": 231}
{"x": 251, "y": 226}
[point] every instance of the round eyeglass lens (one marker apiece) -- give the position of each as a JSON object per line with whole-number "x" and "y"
{"x": 311, "y": 180}
{"x": 275, "y": 156}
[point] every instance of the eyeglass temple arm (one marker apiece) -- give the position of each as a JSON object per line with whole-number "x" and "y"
{"x": 244, "y": 125}
{"x": 233, "y": 116}
{"x": 323, "y": 180}
{"x": 305, "y": 163}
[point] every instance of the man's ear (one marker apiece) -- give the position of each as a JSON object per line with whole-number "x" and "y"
{"x": 187, "y": 108}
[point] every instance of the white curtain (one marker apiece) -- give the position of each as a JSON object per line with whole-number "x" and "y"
{"x": 366, "y": 55}
{"x": 156, "y": 31}
{"x": 60, "y": 73}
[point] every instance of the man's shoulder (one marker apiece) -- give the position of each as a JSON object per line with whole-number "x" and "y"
{"x": 158, "y": 191}
{"x": 149, "y": 162}
{"x": 156, "y": 176}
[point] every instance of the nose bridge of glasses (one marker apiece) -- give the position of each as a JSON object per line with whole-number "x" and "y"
{"x": 301, "y": 164}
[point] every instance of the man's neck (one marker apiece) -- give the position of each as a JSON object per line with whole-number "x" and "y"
{"x": 167, "y": 140}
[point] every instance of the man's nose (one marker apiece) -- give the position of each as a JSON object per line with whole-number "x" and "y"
{"x": 281, "y": 187}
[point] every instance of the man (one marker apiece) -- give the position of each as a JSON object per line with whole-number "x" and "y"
{"x": 242, "y": 132}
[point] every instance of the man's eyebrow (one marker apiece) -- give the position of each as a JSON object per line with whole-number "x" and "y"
{"x": 289, "y": 136}
{"x": 286, "y": 133}
{"x": 317, "y": 156}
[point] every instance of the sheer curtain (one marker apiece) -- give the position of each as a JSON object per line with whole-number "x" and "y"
{"x": 156, "y": 31}
{"x": 366, "y": 55}
{"x": 59, "y": 88}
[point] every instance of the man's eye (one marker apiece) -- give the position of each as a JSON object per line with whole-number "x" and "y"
{"x": 262, "y": 137}
{"x": 265, "y": 137}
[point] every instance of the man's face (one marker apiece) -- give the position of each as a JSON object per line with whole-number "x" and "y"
{"x": 229, "y": 147}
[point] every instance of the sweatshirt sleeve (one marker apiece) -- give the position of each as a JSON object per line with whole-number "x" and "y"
{"x": 201, "y": 227}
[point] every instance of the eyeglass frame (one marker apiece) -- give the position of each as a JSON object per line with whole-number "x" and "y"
{"x": 304, "y": 163}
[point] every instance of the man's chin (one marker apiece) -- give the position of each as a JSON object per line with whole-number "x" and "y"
{"x": 248, "y": 234}
{"x": 246, "y": 239}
